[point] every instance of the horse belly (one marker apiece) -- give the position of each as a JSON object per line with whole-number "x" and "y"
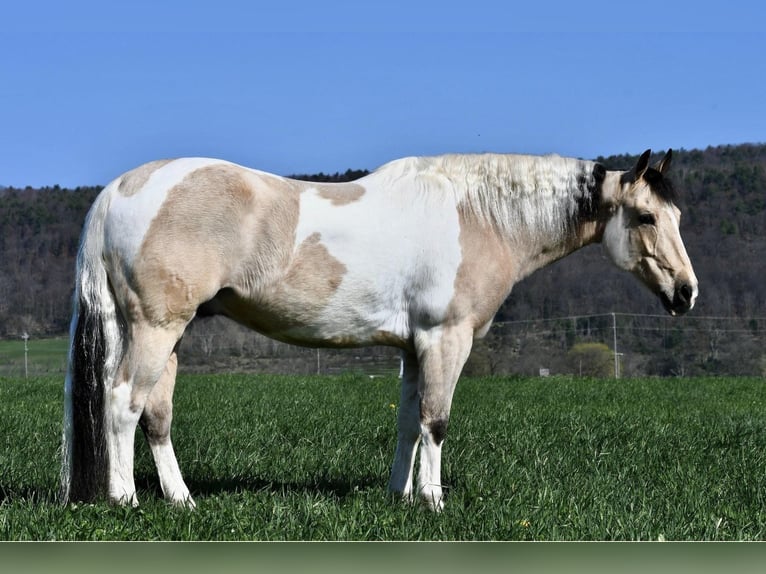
{"x": 295, "y": 315}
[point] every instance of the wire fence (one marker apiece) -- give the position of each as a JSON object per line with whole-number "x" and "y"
{"x": 626, "y": 344}
{"x": 606, "y": 344}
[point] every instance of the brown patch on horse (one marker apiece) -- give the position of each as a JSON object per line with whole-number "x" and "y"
{"x": 314, "y": 270}
{"x": 133, "y": 181}
{"x": 294, "y": 299}
{"x": 486, "y": 272}
{"x": 340, "y": 193}
{"x": 221, "y": 226}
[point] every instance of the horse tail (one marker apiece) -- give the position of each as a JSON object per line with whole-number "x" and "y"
{"x": 95, "y": 349}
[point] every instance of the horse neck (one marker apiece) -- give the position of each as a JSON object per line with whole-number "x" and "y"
{"x": 583, "y": 229}
{"x": 533, "y": 251}
{"x": 544, "y": 225}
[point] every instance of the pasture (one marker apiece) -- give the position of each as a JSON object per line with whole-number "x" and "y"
{"x": 307, "y": 458}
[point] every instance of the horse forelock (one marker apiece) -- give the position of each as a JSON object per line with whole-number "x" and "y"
{"x": 660, "y": 185}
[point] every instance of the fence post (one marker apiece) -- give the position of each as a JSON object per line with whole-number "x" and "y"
{"x": 616, "y": 357}
{"x": 25, "y": 336}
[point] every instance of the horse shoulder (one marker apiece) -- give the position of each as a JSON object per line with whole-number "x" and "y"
{"x": 485, "y": 276}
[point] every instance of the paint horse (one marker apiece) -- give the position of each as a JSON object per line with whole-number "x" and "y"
{"x": 417, "y": 255}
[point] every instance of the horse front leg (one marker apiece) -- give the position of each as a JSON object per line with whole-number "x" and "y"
{"x": 428, "y": 384}
{"x": 442, "y": 352}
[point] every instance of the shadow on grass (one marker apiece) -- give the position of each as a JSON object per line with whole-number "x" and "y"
{"x": 338, "y": 488}
{"x": 327, "y": 486}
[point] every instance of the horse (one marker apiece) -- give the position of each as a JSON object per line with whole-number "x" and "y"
{"x": 417, "y": 255}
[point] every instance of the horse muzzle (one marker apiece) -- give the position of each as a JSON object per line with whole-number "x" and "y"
{"x": 683, "y": 298}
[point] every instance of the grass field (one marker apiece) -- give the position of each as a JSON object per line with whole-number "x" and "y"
{"x": 307, "y": 458}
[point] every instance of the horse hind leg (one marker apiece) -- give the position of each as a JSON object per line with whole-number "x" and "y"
{"x": 146, "y": 359}
{"x": 155, "y": 422}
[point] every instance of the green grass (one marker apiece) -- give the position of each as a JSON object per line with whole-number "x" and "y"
{"x": 307, "y": 458}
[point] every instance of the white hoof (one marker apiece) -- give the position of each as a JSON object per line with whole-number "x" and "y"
{"x": 186, "y": 502}
{"x": 433, "y": 498}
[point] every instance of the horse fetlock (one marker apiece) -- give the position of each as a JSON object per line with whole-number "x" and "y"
{"x": 438, "y": 430}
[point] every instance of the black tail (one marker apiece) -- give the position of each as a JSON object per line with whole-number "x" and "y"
{"x": 88, "y": 463}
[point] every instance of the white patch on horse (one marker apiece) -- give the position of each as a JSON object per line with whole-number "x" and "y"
{"x": 616, "y": 241}
{"x": 395, "y": 243}
{"x": 171, "y": 480}
{"x": 120, "y": 443}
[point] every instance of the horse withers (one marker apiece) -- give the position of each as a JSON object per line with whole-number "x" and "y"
{"x": 417, "y": 255}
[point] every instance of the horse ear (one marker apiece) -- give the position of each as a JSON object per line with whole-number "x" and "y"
{"x": 642, "y": 164}
{"x": 664, "y": 164}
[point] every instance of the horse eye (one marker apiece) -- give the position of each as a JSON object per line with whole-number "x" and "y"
{"x": 646, "y": 219}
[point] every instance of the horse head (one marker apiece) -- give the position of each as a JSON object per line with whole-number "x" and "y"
{"x": 642, "y": 233}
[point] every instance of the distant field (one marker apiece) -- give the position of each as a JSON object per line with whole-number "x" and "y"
{"x": 44, "y": 356}
{"x": 307, "y": 458}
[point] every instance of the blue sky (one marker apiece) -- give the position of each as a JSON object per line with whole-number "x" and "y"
{"x": 89, "y": 90}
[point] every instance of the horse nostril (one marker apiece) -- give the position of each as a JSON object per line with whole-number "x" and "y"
{"x": 685, "y": 293}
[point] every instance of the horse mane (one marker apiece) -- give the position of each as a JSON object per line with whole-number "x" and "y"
{"x": 538, "y": 194}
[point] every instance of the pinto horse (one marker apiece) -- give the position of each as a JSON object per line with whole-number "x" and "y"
{"x": 417, "y": 255}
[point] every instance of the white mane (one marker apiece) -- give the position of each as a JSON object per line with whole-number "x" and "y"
{"x": 513, "y": 192}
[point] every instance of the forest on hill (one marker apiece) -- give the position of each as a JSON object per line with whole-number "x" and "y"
{"x": 722, "y": 195}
